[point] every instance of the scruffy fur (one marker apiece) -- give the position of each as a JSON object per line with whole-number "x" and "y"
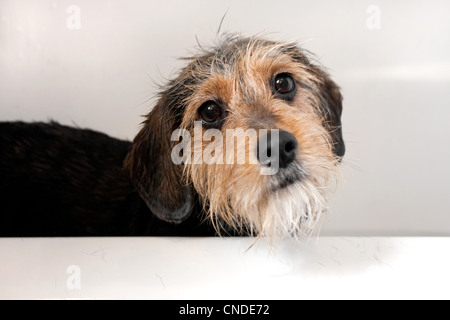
{"x": 61, "y": 181}
{"x": 238, "y": 73}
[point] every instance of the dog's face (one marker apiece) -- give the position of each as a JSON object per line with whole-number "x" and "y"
{"x": 261, "y": 141}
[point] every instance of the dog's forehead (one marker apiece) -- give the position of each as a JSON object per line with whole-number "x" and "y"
{"x": 242, "y": 66}
{"x": 235, "y": 69}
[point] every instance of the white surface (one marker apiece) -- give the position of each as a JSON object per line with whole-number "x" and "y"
{"x": 395, "y": 81}
{"x": 202, "y": 268}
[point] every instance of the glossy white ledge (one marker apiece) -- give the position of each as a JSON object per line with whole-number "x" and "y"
{"x": 214, "y": 268}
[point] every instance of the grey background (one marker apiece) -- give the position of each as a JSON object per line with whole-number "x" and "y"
{"x": 395, "y": 81}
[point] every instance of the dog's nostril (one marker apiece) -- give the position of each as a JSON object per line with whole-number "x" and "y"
{"x": 290, "y": 146}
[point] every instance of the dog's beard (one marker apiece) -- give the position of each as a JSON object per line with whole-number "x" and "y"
{"x": 254, "y": 207}
{"x": 292, "y": 211}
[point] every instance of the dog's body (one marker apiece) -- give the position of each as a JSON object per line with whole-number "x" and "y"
{"x": 62, "y": 181}
{"x": 179, "y": 176}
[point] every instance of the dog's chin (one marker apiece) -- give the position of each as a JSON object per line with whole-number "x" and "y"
{"x": 293, "y": 209}
{"x": 286, "y": 177}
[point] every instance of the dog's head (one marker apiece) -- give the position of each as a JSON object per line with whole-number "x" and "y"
{"x": 253, "y": 128}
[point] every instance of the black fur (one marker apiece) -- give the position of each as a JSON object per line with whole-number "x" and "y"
{"x": 62, "y": 181}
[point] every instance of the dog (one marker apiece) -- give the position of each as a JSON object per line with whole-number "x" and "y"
{"x": 181, "y": 175}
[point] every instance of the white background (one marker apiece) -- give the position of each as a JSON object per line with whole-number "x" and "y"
{"x": 395, "y": 81}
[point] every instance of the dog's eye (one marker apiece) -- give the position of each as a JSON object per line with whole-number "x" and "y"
{"x": 210, "y": 112}
{"x": 284, "y": 86}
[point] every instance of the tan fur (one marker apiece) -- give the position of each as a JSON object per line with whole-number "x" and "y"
{"x": 237, "y": 194}
{"x": 238, "y": 73}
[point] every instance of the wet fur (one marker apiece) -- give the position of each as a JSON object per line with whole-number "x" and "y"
{"x": 61, "y": 181}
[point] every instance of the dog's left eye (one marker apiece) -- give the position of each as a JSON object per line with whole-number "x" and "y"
{"x": 210, "y": 112}
{"x": 284, "y": 86}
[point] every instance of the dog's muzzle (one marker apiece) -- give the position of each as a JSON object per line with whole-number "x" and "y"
{"x": 278, "y": 152}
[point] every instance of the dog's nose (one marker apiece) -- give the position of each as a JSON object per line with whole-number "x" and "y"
{"x": 287, "y": 149}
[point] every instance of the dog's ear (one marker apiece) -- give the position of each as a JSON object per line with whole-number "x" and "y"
{"x": 158, "y": 180}
{"x": 331, "y": 107}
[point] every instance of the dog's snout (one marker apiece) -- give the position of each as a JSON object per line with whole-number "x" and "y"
{"x": 286, "y": 146}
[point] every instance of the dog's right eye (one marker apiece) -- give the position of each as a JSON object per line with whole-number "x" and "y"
{"x": 284, "y": 86}
{"x": 210, "y": 112}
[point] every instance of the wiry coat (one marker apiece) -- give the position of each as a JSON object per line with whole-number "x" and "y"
{"x": 61, "y": 181}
